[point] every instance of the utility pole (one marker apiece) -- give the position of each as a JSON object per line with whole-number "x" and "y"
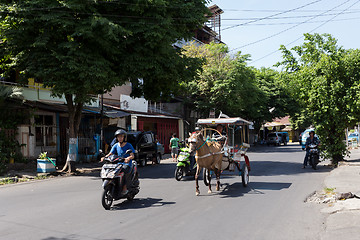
{"x": 101, "y": 122}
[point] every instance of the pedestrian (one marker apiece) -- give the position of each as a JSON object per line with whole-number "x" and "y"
{"x": 174, "y": 145}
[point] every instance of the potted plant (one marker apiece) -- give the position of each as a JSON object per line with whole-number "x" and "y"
{"x": 45, "y": 164}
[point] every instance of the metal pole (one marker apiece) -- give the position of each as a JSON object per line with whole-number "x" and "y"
{"x": 101, "y": 122}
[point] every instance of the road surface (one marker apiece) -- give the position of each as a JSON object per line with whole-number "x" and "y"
{"x": 271, "y": 207}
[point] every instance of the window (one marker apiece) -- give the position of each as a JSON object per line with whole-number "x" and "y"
{"x": 45, "y": 130}
{"x": 146, "y": 138}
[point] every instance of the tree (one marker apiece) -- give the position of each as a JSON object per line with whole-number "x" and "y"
{"x": 274, "y": 99}
{"x": 325, "y": 78}
{"x": 223, "y": 83}
{"x": 83, "y": 48}
{"x": 226, "y": 83}
{"x": 10, "y": 117}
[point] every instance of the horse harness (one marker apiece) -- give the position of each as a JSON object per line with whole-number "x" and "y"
{"x": 210, "y": 153}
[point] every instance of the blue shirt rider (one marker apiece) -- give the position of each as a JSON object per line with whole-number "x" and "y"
{"x": 119, "y": 149}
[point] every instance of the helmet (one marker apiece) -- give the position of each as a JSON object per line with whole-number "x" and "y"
{"x": 120, "y": 132}
{"x": 197, "y": 129}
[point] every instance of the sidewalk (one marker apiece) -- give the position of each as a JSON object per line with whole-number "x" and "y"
{"x": 30, "y": 174}
{"x": 342, "y": 209}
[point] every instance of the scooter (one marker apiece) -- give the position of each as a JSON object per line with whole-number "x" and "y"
{"x": 313, "y": 155}
{"x": 113, "y": 181}
{"x": 183, "y": 166}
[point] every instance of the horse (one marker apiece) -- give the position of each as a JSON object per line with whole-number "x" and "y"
{"x": 207, "y": 156}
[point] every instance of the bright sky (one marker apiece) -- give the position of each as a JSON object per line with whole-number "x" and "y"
{"x": 263, "y": 25}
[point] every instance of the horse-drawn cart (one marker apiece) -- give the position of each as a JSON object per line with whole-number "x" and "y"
{"x": 233, "y": 136}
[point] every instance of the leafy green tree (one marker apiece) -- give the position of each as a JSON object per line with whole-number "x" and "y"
{"x": 275, "y": 100}
{"x": 223, "y": 83}
{"x": 81, "y": 48}
{"x": 10, "y": 117}
{"x": 325, "y": 78}
{"x": 226, "y": 83}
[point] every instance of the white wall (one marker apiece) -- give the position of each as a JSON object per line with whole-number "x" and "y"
{"x": 133, "y": 104}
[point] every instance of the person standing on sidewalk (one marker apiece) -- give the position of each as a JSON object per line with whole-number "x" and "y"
{"x": 312, "y": 139}
{"x": 174, "y": 146}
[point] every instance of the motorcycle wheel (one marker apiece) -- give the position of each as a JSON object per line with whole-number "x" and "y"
{"x": 158, "y": 158}
{"x": 107, "y": 198}
{"x": 179, "y": 172}
{"x": 130, "y": 197}
{"x": 143, "y": 162}
{"x": 315, "y": 162}
{"x": 206, "y": 176}
{"x": 136, "y": 188}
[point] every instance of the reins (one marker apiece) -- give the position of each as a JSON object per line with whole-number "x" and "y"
{"x": 210, "y": 153}
{"x": 202, "y": 144}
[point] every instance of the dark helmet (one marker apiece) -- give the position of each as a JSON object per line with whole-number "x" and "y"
{"x": 120, "y": 132}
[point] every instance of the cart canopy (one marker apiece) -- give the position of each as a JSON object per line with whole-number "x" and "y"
{"x": 235, "y": 121}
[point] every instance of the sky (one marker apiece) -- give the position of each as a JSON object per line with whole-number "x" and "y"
{"x": 259, "y": 27}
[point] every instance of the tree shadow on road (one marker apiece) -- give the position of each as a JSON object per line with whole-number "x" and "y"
{"x": 237, "y": 189}
{"x": 74, "y": 236}
{"x": 275, "y": 149}
{"x": 139, "y": 203}
{"x": 274, "y": 168}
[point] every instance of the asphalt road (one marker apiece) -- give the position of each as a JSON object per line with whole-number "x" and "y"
{"x": 271, "y": 207}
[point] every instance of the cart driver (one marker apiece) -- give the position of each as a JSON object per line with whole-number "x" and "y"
{"x": 219, "y": 137}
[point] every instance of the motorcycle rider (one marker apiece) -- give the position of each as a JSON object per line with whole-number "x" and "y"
{"x": 312, "y": 139}
{"x": 120, "y": 149}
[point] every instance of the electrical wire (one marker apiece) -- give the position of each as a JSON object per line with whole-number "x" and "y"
{"x": 287, "y": 29}
{"x": 290, "y": 17}
{"x": 293, "y": 23}
{"x": 273, "y": 15}
{"x": 331, "y": 19}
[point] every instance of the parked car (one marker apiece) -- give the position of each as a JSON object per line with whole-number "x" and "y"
{"x": 277, "y": 138}
{"x": 146, "y": 147}
{"x": 353, "y": 137}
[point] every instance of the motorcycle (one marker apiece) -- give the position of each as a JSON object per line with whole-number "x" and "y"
{"x": 313, "y": 155}
{"x": 113, "y": 181}
{"x": 183, "y": 166}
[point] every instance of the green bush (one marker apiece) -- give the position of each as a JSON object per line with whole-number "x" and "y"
{"x": 9, "y": 148}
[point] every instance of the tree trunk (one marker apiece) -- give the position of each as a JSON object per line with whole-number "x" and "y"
{"x": 74, "y": 110}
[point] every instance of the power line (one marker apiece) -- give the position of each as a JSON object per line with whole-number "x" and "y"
{"x": 329, "y": 20}
{"x": 290, "y": 17}
{"x": 287, "y": 29}
{"x": 273, "y": 15}
{"x": 293, "y": 23}
{"x": 273, "y": 10}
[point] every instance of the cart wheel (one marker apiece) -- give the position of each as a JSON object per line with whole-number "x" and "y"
{"x": 206, "y": 176}
{"x": 245, "y": 175}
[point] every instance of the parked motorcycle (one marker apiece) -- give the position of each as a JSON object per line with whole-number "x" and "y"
{"x": 113, "y": 180}
{"x": 183, "y": 166}
{"x": 313, "y": 155}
